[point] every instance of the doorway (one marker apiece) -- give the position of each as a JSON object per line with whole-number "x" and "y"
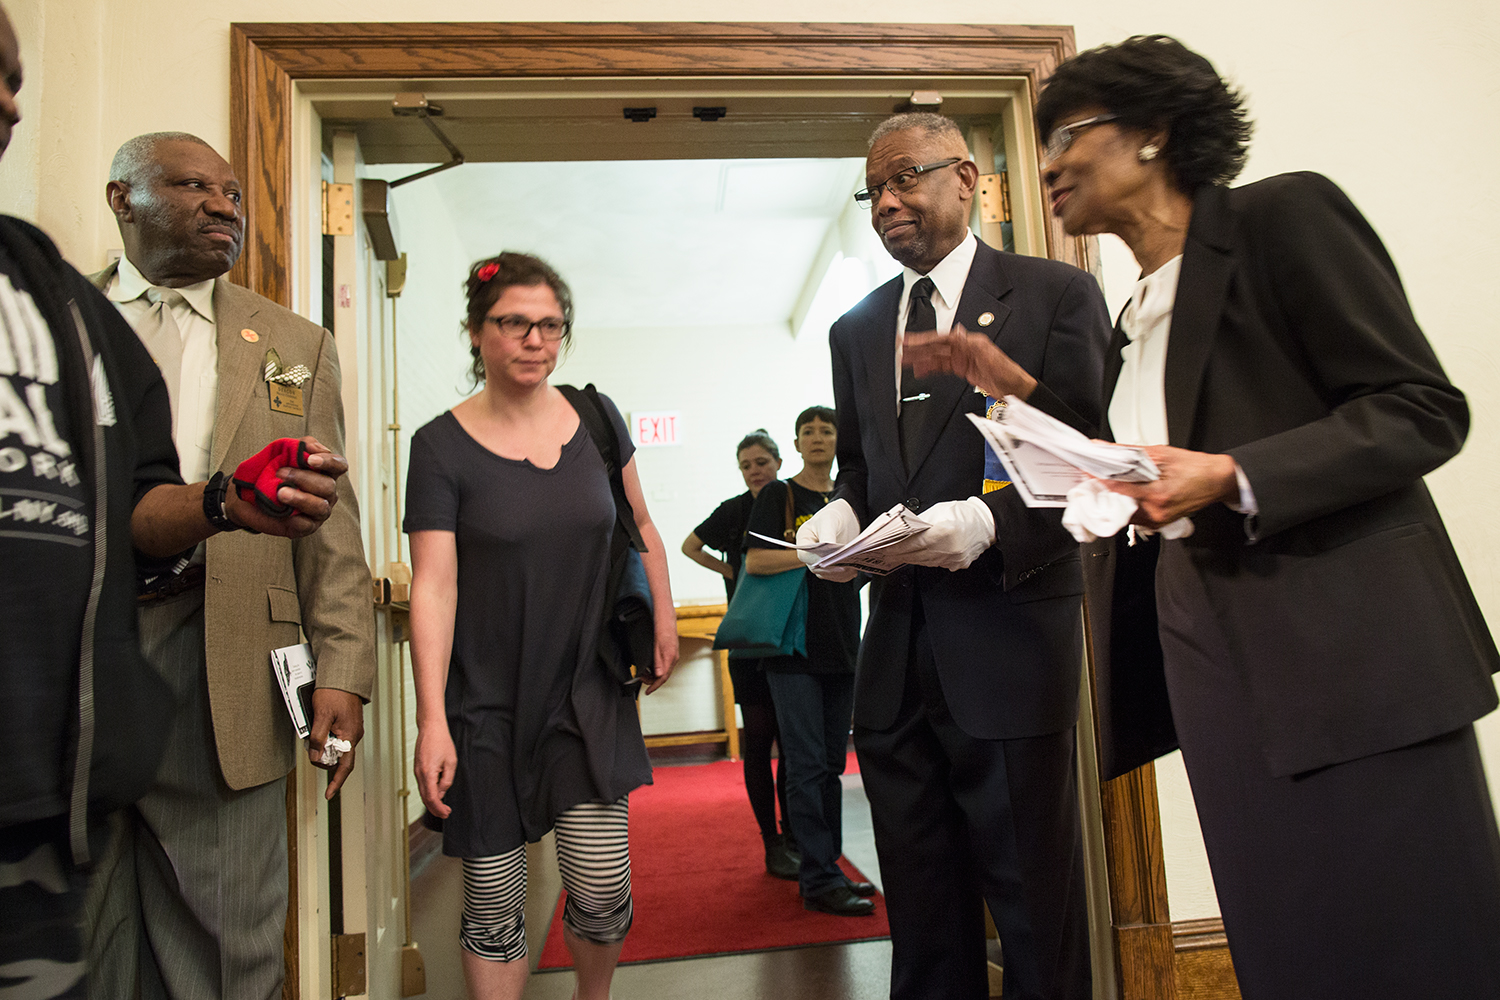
{"x": 276, "y": 67}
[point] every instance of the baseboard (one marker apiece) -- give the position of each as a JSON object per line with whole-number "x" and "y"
{"x": 1202, "y": 964}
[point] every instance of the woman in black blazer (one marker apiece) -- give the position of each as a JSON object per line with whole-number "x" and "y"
{"x": 1312, "y": 645}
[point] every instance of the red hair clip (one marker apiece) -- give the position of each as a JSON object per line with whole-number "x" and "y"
{"x": 488, "y": 271}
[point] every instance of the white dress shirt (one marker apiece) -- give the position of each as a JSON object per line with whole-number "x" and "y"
{"x": 948, "y": 279}
{"x": 1138, "y": 408}
{"x": 198, "y": 382}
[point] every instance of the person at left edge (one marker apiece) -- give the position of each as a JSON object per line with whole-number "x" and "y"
{"x": 87, "y": 467}
{"x": 192, "y": 895}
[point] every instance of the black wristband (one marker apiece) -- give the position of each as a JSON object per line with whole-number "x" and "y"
{"x": 214, "y": 494}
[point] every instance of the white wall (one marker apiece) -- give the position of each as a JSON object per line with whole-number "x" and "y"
{"x": 1394, "y": 100}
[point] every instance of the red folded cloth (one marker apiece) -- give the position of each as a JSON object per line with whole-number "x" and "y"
{"x": 256, "y": 478}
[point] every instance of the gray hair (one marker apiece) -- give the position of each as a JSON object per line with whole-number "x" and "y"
{"x": 934, "y": 126}
{"x": 136, "y": 159}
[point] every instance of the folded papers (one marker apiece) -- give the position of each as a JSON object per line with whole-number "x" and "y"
{"x": 1046, "y": 458}
{"x": 865, "y": 551}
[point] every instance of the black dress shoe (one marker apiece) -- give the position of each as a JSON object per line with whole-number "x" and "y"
{"x": 840, "y": 902}
{"x": 860, "y": 888}
{"x": 779, "y": 861}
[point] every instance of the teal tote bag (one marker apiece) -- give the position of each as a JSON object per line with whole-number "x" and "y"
{"x": 767, "y": 617}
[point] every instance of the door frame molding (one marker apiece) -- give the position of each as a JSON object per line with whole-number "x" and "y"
{"x": 268, "y": 59}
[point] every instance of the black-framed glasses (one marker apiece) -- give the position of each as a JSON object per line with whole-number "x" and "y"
{"x": 1061, "y": 139}
{"x": 901, "y": 182}
{"x": 519, "y": 327}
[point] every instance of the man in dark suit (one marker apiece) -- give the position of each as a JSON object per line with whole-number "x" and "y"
{"x": 968, "y": 676}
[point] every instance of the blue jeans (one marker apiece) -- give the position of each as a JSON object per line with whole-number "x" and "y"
{"x": 813, "y": 712}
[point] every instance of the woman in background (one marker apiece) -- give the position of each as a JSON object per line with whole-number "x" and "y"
{"x": 724, "y": 530}
{"x": 813, "y": 694}
{"x": 521, "y": 728}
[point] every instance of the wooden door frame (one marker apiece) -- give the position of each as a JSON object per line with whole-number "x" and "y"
{"x": 267, "y": 60}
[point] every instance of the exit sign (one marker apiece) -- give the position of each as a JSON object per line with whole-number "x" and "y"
{"x": 654, "y": 430}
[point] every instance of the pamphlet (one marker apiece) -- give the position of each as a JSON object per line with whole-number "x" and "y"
{"x": 866, "y": 551}
{"x": 1046, "y": 458}
{"x": 295, "y": 671}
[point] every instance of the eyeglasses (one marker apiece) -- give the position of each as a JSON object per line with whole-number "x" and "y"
{"x": 1061, "y": 139}
{"x": 901, "y": 183}
{"x": 519, "y": 327}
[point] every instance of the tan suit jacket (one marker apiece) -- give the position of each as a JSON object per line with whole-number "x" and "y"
{"x": 262, "y": 592}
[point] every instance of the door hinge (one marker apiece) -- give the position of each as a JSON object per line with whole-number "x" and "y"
{"x": 994, "y": 198}
{"x": 338, "y": 209}
{"x": 348, "y": 965}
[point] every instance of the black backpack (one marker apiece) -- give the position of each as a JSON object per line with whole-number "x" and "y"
{"x": 627, "y": 636}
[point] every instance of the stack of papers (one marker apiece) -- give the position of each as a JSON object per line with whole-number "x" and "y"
{"x": 1046, "y": 458}
{"x": 867, "y": 551}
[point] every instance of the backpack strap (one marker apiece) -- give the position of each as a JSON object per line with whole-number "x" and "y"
{"x": 602, "y": 431}
{"x": 790, "y": 531}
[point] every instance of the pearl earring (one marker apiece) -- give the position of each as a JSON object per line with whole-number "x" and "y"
{"x": 1148, "y": 152}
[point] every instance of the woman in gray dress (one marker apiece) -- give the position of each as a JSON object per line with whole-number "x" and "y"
{"x": 520, "y": 727}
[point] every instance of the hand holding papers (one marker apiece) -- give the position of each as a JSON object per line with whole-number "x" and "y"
{"x": 1053, "y": 465}
{"x": 1046, "y": 458}
{"x": 867, "y": 551}
{"x": 296, "y": 674}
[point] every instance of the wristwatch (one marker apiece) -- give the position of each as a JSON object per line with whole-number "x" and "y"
{"x": 214, "y": 494}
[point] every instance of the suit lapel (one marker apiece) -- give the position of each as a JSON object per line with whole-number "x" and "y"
{"x": 1114, "y": 361}
{"x": 100, "y": 279}
{"x": 879, "y": 357}
{"x": 983, "y": 290}
{"x": 241, "y": 362}
{"x": 1207, "y": 264}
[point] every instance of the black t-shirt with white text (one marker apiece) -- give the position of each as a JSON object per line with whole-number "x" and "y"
{"x": 46, "y": 550}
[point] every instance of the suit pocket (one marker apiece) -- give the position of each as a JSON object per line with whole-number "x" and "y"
{"x": 284, "y": 605}
{"x": 1355, "y": 650}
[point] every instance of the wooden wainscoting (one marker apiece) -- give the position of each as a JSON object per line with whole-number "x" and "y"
{"x": 1204, "y": 970}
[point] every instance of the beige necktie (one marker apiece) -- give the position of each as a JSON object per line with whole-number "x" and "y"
{"x": 162, "y": 337}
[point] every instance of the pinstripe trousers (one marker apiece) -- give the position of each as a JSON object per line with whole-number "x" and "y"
{"x": 189, "y": 900}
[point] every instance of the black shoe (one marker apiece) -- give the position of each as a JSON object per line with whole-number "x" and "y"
{"x": 840, "y": 902}
{"x": 791, "y": 847}
{"x": 779, "y": 861}
{"x": 860, "y": 888}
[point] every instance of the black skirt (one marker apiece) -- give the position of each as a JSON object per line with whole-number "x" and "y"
{"x": 1375, "y": 878}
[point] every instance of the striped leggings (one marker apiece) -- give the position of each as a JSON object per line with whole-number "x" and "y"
{"x": 593, "y": 854}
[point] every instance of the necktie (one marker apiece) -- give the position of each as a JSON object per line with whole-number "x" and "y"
{"x": 915, "y": 406}
{"x": 162, "y": 337}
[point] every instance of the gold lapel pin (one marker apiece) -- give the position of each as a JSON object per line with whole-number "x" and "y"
{"x": 251, "y": 337}
{"x": 985, "y": 319}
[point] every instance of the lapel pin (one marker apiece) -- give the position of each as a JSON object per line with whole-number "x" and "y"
{"x": 985, "y": 319}
{"x": 251, "y": 337}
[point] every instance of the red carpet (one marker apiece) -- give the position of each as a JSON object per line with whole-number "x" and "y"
{"x": 699, "y": 879}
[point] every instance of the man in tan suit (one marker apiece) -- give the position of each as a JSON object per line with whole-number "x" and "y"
{"x": 191, "y": 900}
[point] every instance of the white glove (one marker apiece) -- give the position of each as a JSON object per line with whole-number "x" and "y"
{"x": 961, "y": 531}
{"x": 836, "y": 523}
{"x": 1095, "y": 511}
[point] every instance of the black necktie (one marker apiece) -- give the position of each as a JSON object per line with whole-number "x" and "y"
{"x": 915, "y": 392}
